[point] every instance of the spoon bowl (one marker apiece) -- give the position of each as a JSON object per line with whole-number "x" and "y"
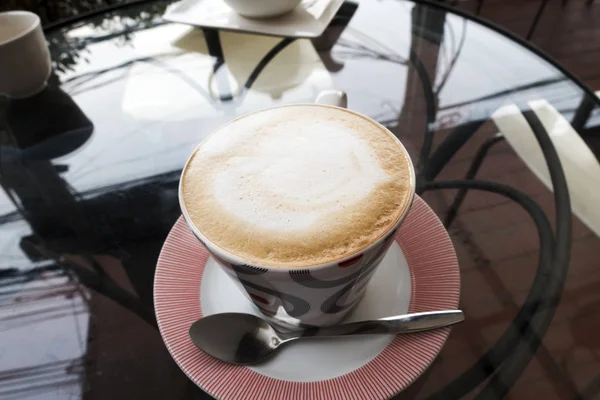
{"x": 235, "y": 337}
{"x": 239, "y": 338}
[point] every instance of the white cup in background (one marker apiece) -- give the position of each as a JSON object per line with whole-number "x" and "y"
{"x": 262, "y": 8}
{"x": 24, "y": 57}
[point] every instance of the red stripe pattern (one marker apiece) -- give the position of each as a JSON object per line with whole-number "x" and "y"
{"x": 351, "y": 261}
{"x": 435, "y": 286}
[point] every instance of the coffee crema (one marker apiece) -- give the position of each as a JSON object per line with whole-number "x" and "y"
{"x": 297, "y": 186}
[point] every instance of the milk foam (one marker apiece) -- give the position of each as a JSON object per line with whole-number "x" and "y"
{"x": 292, "y": 185}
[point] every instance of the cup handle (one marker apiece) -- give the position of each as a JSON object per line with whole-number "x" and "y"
{"x": 336, "y": 98}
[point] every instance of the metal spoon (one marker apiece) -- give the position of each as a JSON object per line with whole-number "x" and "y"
{"x": 246, "y": 339}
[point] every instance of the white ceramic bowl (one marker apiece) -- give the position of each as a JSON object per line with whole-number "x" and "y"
{"x": 262, "y": 8}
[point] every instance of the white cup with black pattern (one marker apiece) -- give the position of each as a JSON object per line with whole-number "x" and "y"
{"x": 317, "y": 295}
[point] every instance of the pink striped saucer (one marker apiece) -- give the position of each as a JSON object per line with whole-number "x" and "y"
{"x": 419, "y": 273}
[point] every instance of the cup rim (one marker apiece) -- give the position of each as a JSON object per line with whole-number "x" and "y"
{"x": 35, "y": 23}
{"x": 284, "y": 269}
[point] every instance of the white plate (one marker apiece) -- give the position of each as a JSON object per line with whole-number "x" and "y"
{"x": 419, "y": 273}
{"x": 308, "y": 20}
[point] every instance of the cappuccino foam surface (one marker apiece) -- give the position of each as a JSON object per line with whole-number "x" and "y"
{"x": 297, "y": 185}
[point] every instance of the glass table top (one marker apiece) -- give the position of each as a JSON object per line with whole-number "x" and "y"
{"x": 505, "y": 144}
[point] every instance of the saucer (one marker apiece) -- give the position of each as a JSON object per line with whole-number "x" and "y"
{"x": 419, "y": 273}
{"x": 308, "y": 20}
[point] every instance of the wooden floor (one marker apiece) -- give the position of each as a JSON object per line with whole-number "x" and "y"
{"x": 569, "y": 33}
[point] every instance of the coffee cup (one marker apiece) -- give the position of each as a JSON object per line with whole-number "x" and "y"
{"x": 262, "y": 8}
{"x": 24, "y": 57}
{"x": 299, "y": 204}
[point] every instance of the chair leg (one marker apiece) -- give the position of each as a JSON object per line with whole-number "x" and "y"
{"x": 475, "y": 165}
{"x": 479, "y": 7}
{"x": 537, "y": 19}
{"x": 583, "y": 112}
{"x": 448, "y": 148}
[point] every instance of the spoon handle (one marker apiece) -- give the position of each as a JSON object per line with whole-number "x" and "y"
{"x": 407, "y": 323}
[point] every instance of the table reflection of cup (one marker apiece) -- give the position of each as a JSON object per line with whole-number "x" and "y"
{"x": 47, "y": 125}
{"x": 245, "y": 58}
{"x": 24, "y": 57}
